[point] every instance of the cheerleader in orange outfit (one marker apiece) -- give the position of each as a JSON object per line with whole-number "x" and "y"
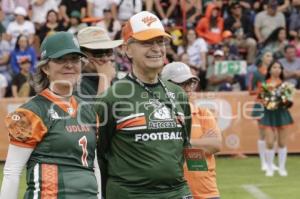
{"x": 276, "y": 121}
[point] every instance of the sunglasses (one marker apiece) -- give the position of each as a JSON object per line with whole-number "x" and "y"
{"x": 101, "y": 53}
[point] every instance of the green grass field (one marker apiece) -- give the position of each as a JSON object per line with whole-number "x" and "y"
{"x": 242, "y": 179}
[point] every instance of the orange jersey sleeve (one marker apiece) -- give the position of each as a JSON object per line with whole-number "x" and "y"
{"x": 26, "y": 129}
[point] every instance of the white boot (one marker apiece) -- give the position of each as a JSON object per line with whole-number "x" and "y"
{"x": 270, "y": 153}
{"x": 261, "y": 146}
{"x": 282, "y": 154}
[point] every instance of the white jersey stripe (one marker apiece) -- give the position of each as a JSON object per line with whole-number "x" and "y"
{"x": 36, "y": 180}
{"x": 129, "y": 117}
{"x": 134, "y": 128}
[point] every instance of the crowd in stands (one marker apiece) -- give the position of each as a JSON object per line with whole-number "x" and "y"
{"x": 204, "y": 32}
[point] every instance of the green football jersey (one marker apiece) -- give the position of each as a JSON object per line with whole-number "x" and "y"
{"x": 64, "y": 141}
{"x": 88, "y": 87}
{"x": 141, "y": 141}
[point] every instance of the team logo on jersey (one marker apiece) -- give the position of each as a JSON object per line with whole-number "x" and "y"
{"x": 54, "y": 115}
{"x": 161, "y": 116}
{"x": 160, "y": 111}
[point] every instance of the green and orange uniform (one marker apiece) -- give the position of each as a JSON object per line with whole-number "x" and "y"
{"x": 256, "y": 81}
{"x": 278, "y": 118}
{"x": 203, "y": 184}
{"x": 140, "y": 148}
{"x": 63, "y": 139}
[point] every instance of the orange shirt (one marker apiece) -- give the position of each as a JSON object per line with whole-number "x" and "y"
{"x": 203, "y": 183}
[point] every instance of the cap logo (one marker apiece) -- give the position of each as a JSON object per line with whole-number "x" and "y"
{"x": 97, "y": 33}
{"x": 76, "y": 42}
{"x": 43, "y": 54}
{"x": 149, "y": 20}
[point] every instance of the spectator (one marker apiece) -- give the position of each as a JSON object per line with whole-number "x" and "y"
{"x": 229, "y": 46}
{"x": 3, "y": 85}
{"x": 95, "y": 8}
{"x": 205, "y": 134}
{"x": 218, "y": 82}
{"x": 9, "y": 6}
{"x": 166, "y": 10}
{"x": 4, "y": 59}
{"x": 20, "y": 26}
{"x": 196, "y": 48}
{"x": 294, "y": 19}
{"x": 127, "y": 8}
{"x": 75, "y": 23}
{"x": 267, "y": 21}
{"x": 276, "y": 42}
{"x": 111, "y": 25}
{"x": 20, "y": 83}
{"x": 148, "y": 5}
{"x": 40, "y": 9}
{"x": 211, "y": 26}
{"x": 240, "y": 25}
{"x": 223, "y": 82}
{"x": 283, "y": 5}
{"x": 291, "y": 65}
{"x": 67, "y": 6}
{"x": 100, "y": 70}
{"x": 193, "y": 11}
{"x": 296, "y": 43}
{"x": 3, "y": 25}
{"x": 122, "y": 61}
{"x": 22, "y": 49}
{"x": 51, "y": 26}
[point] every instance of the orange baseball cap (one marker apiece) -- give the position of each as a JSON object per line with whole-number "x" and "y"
{"x": 143, "y": 26}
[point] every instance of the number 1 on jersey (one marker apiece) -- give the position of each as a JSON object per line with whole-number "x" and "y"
{"x": 83, "y": 143}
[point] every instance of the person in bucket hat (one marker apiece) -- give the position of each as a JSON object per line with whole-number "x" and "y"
{"x": 142, "y": 135}
{"x": 98, "y": 74}
{"x": 205, "y": 133}
{"x": 50, "y": 133}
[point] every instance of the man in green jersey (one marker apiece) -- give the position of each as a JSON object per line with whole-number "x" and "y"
{"x": 144, "y": 121}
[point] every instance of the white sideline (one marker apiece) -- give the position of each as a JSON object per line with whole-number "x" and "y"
{"x": 255, "y": 192}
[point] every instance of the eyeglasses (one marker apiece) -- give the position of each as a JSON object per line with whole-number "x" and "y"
{"x": 189, "y": 83}
{"x": 74, "y": 59}
{"x": 150, "y": 43}
{"x": 101, "y": 53}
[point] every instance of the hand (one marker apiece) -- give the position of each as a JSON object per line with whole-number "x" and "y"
{"x": 104, "y": 68}
{"x": 237, "y": 24}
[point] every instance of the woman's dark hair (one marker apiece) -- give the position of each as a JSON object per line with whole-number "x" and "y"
{"x": 56, "y": 13}
{"x": 274, "y": 35}
{"x": 185, "y": 40}
{"x": 268, "y": 75}
{"x": 17, "y": 46}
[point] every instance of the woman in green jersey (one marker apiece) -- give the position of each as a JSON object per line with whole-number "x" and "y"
{"x": 50, "y": 133}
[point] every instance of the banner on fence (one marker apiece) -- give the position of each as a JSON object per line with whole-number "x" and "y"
{"x": 232, "y": 111}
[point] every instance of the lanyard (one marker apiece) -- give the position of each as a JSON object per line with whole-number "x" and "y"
{"x": 173, "y": 108}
